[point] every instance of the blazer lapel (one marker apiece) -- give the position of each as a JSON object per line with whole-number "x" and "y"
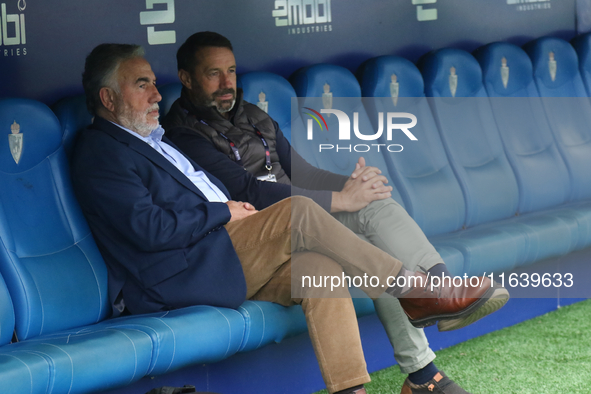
{"x": 197, "y": 167}
{"x": 150, "y": 153}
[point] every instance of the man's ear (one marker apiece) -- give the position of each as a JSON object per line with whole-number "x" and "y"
{"x": 185, "y": 78}
{"x": 107, "y": 96}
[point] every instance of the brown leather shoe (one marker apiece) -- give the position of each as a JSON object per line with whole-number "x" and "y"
{"x": 459, "y": 306}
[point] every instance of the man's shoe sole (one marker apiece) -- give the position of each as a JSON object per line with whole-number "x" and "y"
{"x": 491, "y": 301}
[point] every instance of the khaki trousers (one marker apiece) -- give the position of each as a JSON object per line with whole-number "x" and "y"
{"x": 387, "y": 225}
{"x": 320, "y": 244}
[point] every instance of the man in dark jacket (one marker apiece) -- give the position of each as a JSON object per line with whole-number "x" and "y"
{"x": 243, "y": 147}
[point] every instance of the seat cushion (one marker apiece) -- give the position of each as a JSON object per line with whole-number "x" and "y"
{"x": 506, "y": 244}
{"x": 23, "y": 371}
{"x": 181, "y": 337}
{"x": 78, "y": 362}
{"x": 266, "y": 322}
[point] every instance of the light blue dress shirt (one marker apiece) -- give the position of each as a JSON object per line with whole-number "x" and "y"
{"x": 199, "y": 179}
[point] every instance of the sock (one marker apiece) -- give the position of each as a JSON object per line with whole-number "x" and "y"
{"x": 424, "y": 374}
{"x": 350, "y": 390}
{"x": 438, "y": 270}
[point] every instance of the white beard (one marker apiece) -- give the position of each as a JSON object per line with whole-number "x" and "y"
{"x": 137, "y": 121}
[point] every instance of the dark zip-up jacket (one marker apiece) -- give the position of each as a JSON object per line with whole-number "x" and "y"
{"x": 199, "y": 132}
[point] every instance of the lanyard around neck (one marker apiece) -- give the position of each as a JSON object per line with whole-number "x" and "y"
{"x": 235, "y": 150}
{"x": 268, "y": 165}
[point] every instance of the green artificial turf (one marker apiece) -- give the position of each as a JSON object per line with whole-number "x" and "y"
{"x": 550, "y": 354}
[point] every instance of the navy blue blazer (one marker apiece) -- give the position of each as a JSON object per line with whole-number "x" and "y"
{"x": 163, "y": 242}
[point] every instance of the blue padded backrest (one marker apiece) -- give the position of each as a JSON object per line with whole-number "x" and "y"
{"x": 53, "y": 270}
{"x": 422, "y": 173}
{"x": 437, "y": 68}
{"x": 310, "y": 84}
{"x": 6, "y": 314}
{"x": 523, "y": 126}
{"x": 470, "y": 135}
{"x": 169, "y": 92}
{"x": 582, "y": 45}
{"x": 567, "y": 107}
{"x": 567, "y": 81}
{"x": 518, "y": 68}
{"x": 73, "y": 117}
{"x": 277, "y": 93}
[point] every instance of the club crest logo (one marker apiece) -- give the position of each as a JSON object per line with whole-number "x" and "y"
{"x": 504, "y": 72}
{"x": 453, "y": 81}
{"x": 15, "y": 142}
{"x": 552, "y": 66}
{"x": 394, "y": 89}
{"x": 262, "y": 104}
{"x": 327, "y": 97}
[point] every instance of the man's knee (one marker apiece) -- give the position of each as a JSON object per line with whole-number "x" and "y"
{"x": 387, "y": 207}
{"x": 295, "y": 205}
{"x": 301, "y": 203}
{"x": 385, "y": 203}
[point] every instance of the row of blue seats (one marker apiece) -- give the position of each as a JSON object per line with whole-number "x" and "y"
{"x": 463, "y": 182}
{"x": 53, "y": 285}
{"x": 499, "y": 175}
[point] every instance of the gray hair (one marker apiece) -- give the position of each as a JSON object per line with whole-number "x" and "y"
{"x": 101, "y": 68}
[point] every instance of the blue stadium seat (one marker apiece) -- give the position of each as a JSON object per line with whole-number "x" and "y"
{"x": 188, "y": 336}
{"x": 555, "y": 67}
{"x": 74, "y": 117}
{"x": 529, "y": 144}
{"x": 469, "y": 135}
{"x": 270, "y": 92}
{"x": 310, "y": 84}
{"x": 57, "y": 278}
{"x": 20, "y": 372}
{"x": 582, "y": 45}
{"x": 487, "y": 182}
{"x": 568, "y": 108}
{"x": 523, "y": 127}
{"x": 475, "y": 149}
{"x": 421, "y": 172}
{"x": 23, "y": 372}
{"x": 267, "y": 322}
{"x": 43, "y": 231}
{"x": 44, "y": 365}
{"x": 169, "y": 92}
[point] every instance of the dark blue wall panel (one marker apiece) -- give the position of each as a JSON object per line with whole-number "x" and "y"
{"x": 43, "y": 57}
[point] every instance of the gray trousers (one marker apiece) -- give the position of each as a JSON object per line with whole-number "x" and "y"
{"x": 387, "y": 225}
